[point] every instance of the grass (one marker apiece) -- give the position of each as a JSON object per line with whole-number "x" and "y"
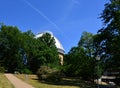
{"x": 4, "y": 82}
{"x": 65, "y": 83}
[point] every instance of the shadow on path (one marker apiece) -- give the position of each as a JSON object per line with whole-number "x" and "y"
{"x": 76, "y": 82}
{"x": 70, "y": 82}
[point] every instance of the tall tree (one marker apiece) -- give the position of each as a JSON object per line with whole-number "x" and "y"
{"x": 86, "y": 41}
{"x": 109, "y": 35}
{"x": 21, "y": 50}
{"x": 48, "y": 48}
{"x": 46, "y": 53}
{"x": 79, "y": 61}
{"x": 29, "y": 50}
{"x": 9, "y": 46}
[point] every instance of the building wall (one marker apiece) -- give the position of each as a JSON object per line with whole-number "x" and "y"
{"x": 61, "y": 56}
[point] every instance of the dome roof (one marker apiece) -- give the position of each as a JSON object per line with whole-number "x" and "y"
{"x": 57, "y": 42}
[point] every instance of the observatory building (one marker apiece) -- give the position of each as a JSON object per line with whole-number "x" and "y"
{"x": 57, "y": 44}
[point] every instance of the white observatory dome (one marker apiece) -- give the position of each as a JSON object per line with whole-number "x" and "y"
{"x": 57, "y": 42}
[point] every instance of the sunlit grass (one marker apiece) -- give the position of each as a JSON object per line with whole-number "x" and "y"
{"x": 4, "y": 82}
{"x": 33, "y": 80}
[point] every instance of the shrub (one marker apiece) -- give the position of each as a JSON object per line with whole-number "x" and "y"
{"x": 55, "y": 76}
{"x": 48, "y": 74}
{"x": 26, "y": 71}
{"x": 2, "y": 69}
{"x": 42, "y": 72}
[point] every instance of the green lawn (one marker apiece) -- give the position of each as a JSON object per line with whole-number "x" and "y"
{"x": 4, "y": 82}
{"x": 65, "y": 83}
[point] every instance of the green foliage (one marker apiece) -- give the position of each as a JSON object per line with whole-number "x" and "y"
{"x": 80, "y": 61}
{"x": 78, "y": 64}
{"x": 26, "y": 71}
{"x": 48, "y": 74}
{"x": 21, "y": 50}
{"x": 48, "y": 49}
{"x": 2, "y": 69}
{"x": 107, "y": 41}
{"x": 98, "y": 70}
{"x": 46, "y": 53}
{"x": 108, "y": 38}
{"x": 9, "y": 45}
{"x": 86, "y": 41}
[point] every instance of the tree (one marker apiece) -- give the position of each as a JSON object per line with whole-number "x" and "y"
{"x": 9, "y": 45}
{"x": 29, "y": 47}
{"x": 79, "y": 61}
{"x": 48, "y": 48}
{"x": 46, "y": 53}
{"x": 109, "y": 35}
{"x": 21, "y": 51}
{"x": 86, "y": 41}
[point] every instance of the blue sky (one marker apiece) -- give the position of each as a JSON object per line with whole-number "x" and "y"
{"x": 67, "y": 19}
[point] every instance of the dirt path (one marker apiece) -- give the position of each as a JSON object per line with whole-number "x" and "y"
{"x": 17, "y": 82}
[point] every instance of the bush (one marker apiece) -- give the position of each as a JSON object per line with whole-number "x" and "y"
{"x": 2, "y": 69}
{"x": 26, "y": 71}
{"x": 55, "y": 76}
{"x": 48, "y": 74}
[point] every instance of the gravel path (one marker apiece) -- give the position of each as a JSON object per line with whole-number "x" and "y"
{"x": 17, "y": 82}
